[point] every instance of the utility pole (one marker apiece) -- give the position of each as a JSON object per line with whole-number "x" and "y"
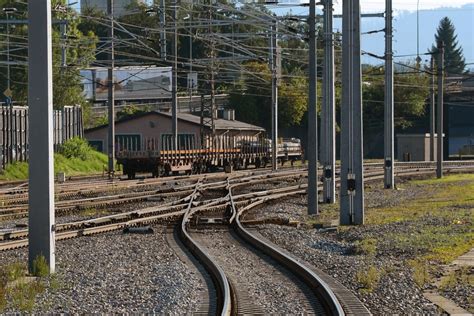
{"x": 389, "y": 138}
{"x": 312, "y": 152}
{"x": 273, "y": 68}
{"x": 328, "y": 113}
{"x": 209, "y": 109}
{"x": 41, "y": 221}
{"x": 163, "y": 29}
{"x": 439, "y": 169}
{"x": 111, "y": 96}
{"x": 62, "y": 28}
{"x": 174, "y": 108}
{"x": 352, "y": 175}
{"x": 432, "y": 110}
{"x": 8, "y": 92}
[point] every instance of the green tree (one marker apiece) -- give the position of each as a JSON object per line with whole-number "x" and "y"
{"x": 131, "y": 110}
{"x": 67, "y": 88}
{"x": 292, "y": 101}
{"x": 251, "y": 97}
{"x": 410, "y": 94}
{"x": 454, "y": 61}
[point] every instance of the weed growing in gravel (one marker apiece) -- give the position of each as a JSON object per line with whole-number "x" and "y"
{"x": 439, "y": 226}
{"x": 367, "y": 247}
{"x": 15, "y": 271}
{"x": 40, "y": 266}
{"x": 460, "y": 276}
{"x": 14, "y": 291}
{"x": 88, "y": 212}
{"x": 23, "y": 295}
{"x": 421, "y": 273}
{"x": 369, "y": 278}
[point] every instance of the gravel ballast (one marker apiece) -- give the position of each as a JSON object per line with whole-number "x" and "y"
{"x": 117, "y": 273}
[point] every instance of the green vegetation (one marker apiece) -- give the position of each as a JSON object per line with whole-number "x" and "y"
{"x": 461, "y": 276}
{"x": 454, "y": 61}
{"x": 445, "y": 217}
{"x": 421, "y": 272}
{"x": 88, "y": 212}
{"x": 366, "y": 247}
{"x": 369, "y": 278}
{"x": 15, "y": 292}
{"x": 76, "y": 157}
{"x": 40, "y": 267}
{"x": 23, "y": 295}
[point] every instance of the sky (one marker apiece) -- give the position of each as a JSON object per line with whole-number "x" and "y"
{"x": 461, "y": 13}
{"x": 398, "y": 5}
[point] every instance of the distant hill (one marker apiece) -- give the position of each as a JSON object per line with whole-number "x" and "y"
{"x": 405, "y": 42}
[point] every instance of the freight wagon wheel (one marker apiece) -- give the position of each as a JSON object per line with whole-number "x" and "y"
{"x": 167, "y": 170}
{"x": 236, "y": 164}
{"x": 131, "y": 175}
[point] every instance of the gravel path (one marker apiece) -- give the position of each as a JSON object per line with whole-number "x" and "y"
{"x": 117, "y": 273}
{"x": 396, "y": 292}
{"x": 271, "y": 288}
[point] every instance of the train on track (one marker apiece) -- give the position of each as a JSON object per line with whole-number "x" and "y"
{"x": 229, "y": 152}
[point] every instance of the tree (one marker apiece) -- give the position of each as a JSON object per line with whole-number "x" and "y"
{"x": 454, "y": 61}
{"x": 67, "y": 88}
{"x": 251, "y": 97}
{"x": 293, "y": 101}
{"x": 411, "y": 91}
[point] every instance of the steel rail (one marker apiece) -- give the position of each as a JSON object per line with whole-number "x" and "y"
{"x": 324, "y": 293}
{"x": 217, "y": 274}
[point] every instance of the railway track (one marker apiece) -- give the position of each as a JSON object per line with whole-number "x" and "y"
{"x": 233, "y": 292}
{"x": 330, "y": 297}
{"x": 170, "y": 211}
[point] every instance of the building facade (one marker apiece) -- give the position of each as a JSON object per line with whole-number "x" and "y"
{"x": 137, "y": 132}
{"x": 120, "y": 6}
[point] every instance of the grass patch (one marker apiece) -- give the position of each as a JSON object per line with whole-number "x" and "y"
{"x": 421, "y": 272}
{"x": 367, "y": 247}
{"x": 16, "y": 293}
{"x": 23, "y": 295}
{"x": 40, "y": 267}
{"x": 369, "y": 278}
{"x": 443, "y": 223}
{"x": 75, "y": 159}
{"x": 328, "y": 213}
{"x": 461, "y": 276}
{"x": 88, "y": 212}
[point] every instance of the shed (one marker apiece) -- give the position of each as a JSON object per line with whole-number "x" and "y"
{"x": 414, "y": 147}
{"x": 134, "y": 130}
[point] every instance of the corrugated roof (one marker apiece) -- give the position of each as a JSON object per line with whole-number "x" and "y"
{"x": 220, "y": 124}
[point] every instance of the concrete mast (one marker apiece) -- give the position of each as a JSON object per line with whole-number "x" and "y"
{"x": 41, "y": 167}
{"x": 352, "y": 181}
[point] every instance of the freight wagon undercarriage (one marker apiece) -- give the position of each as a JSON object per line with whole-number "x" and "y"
{"x": 229, "y": 154}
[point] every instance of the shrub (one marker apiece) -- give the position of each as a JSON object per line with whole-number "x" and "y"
{"x": 366, "y": 247}
{"x": 23, "y": 295}
{"x": 40, "y": 266}
{"x": 369, "y": 278}
{"x": 15, "y": 271}
{"x": 76, "y": 148}
{"x": 421, "y": 274}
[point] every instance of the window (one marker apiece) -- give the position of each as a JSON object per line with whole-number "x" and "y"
{"x": 97, "y": 145}
{"x": 131, "y": 142}
{"x": 185, "y": 141}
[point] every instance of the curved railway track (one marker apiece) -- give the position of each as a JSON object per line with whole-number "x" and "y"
{"x": 170, "y": 211}
{"x": 332, "y": 298}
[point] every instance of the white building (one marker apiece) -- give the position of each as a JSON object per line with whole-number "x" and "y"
{"x": 119, "y": 5}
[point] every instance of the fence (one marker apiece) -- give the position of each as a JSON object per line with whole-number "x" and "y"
{"x": 67, "y": 123}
